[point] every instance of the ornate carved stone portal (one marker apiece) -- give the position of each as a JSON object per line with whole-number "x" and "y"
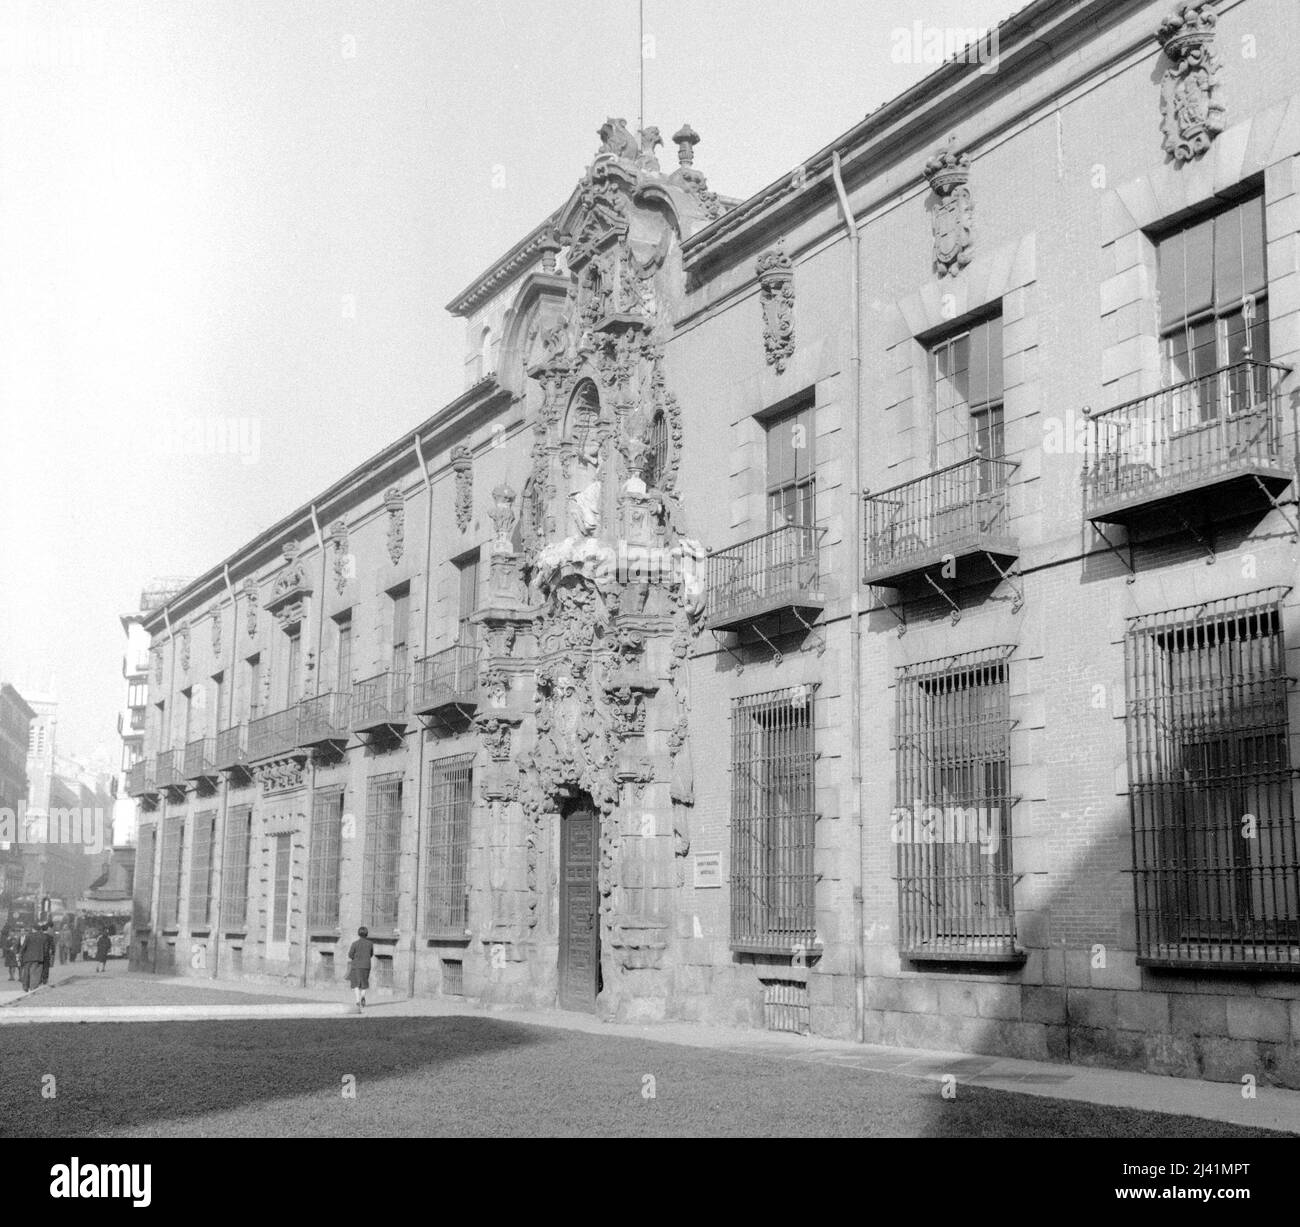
{"x": 595, "y": 591}
{"x": 1191, "y": 103}
{"x": 948, "y": 173}
{"x": 776, "y": 293}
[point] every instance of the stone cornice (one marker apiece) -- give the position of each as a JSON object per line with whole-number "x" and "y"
{"x": 524, "y": 253}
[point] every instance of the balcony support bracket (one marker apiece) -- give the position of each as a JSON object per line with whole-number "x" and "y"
{"x": 1114, "y": 549}
{"x": 1201, "y": 538}
{"x": 1010, "y": 576}
{"x": 1277, "y": 504}
{"x": 956, "y": 609}
{"x": 720, "y": 639}
{"x": 811, "y": 629}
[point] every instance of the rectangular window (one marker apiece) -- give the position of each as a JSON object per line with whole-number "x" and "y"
{"x": 382, "y": 859}
{"x": 1211, "y": 785}
{"x": 446, "y": 883}
{"x": 343, "y": 652}
{"x": 169, "y": 882}
{"x": 773, "y": 820}
{"x": 146, "y": 849}
{"x": 791, "y": 469}
{"x": 234, "y": 867}
{"x": 187, "y": 715}
{"x": 325, "y": 860}
{"x": 217, "y": 718}
{"x": 401, "y": 628}
{"x": 967, "y": 374}
{"x": 293, "y": 668}
{"x": 205, "y": 827}
{"x": 253, "y": 686}
{"x": 137, "y": 694}
{"x": 282, "y": 858}
{"x": 952, "y": 823}
{"x": 467, "y": 571}
{"x": 1213, "y": 285}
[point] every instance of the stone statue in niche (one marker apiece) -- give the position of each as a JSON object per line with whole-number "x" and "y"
{"x": 1191, "y": 104}
{"x": 584, "y": 503}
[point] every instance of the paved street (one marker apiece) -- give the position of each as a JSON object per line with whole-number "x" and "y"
{"x": 408, "y": 1069}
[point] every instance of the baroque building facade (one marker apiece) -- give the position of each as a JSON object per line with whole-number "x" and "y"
{"x": 865, "y": 608}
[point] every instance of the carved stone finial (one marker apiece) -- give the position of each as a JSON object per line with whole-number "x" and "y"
{"x": 948, "y": 173}
{"x": 776, "y": 292}
{"x": 686, "y": 138}
{"x": 649, "y": 139}
{"x": 549, "y": 246}
{"x": 616, "y": 140}
{"x": 1191, "y": 104}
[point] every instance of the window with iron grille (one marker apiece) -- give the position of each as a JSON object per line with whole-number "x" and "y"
{"x": 773, "y": 819}
{"x": 146, "y": 847}
{"x": 446, "y": 901}
{"x": 234, "y": 867}
{"x": 952, "y": 821}
{"x": 382, "y": 858}
{"x": 1211, "y": 785}
{"x": 326, "y": 852}
{"x": 169, "y": 881}
{"x": 659, "y": 443}
{"x": 205, "y": 827}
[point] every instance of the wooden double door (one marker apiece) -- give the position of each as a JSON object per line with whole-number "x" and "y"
{"x": 579, "y": 907}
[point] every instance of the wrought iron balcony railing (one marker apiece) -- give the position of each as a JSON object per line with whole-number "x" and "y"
{"x": 140, "y": 778}
{"x": 381, "y": 701}
{"x": 958, "y": 510}
{"x": 447, "y": 679}
{"x": 1193, "y": 438}
{"x": 324, "y": 719}
{"x": 775, "y": 571}
{"x": 273, "y": 735}
{"x": 168, "y": 769}
{"x": 199, "y": 758}
{"x": 231, "y": 748}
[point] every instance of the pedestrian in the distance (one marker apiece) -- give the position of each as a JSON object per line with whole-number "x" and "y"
{"x": 102, "y": 947}
{"x": 48, "y": 961}
{"x": 32, "y": 959}
{"x": 11, "y": 955}
{"x": 360, "y": 956}
{"x": 63, "y": 945}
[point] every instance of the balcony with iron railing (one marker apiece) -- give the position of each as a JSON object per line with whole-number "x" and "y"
{"x": 200, "y": 758}
{"x": 231, "y": 749}
{"x": 766, "y": 575}
{"x": 447, "y": 679}
{"x": 140, "y": 779}
{"x": 168, "y": 771}
{"x": 1218, "y": 438}
{"x": 381, "y": 703}
{"x": 323, "y": 720}
{"x": 960, "y": 510}
{"x": 274, "y": 735}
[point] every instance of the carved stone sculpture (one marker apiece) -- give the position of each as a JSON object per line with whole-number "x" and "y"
{"x": 503, "y": 517}
{"x": 462, "y": 464}
{"x": 395, "y": 504}
{"x": 948, "y": 173}
{"x": 216, "y": 634}
{"x": 776, "y": 293}
{"x": 250, "y": 602}
{"x": 1191, "y": 104}
{"x": 343, "y": 565}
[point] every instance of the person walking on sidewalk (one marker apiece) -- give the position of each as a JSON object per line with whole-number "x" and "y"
{"x": 63, "y": 944}
{"x": 102, "y": 947}
{"x": 360, "y": 955}
{"x": 33, "y": 959}
{"x": 49, "y": 953}
{"x": 11, "y": 955}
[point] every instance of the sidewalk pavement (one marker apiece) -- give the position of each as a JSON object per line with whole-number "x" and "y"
{"x": 1270, "y": 1108}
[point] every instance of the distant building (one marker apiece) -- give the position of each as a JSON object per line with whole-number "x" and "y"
{"x": 15, "y": 721}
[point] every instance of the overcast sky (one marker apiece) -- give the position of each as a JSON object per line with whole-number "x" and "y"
{"x": 255, "y": 213}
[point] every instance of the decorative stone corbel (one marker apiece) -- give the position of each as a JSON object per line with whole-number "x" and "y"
{"x": 776, "y": 294}
{"x": 1191, "y": 104}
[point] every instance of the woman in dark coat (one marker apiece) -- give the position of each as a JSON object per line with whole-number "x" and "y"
{"x": 11, "y": 955}
{"x": 102, "y": 947}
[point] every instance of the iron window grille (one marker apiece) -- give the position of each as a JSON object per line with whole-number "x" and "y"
{"x": 381, "y": 861}
{"x": 169, "y": 884}
{"x": 325, "y": 859}
{"x": 446, "y": 883}
{"x": 657, "y": 451}
{"x": 234, "y": 876}
{"x": 952, "y": 821}
{"x": 773, "y": 820}
{"x": 205, "y": 827}
{"x": 143, "y": 893}
{"x": 1211, "y": 784}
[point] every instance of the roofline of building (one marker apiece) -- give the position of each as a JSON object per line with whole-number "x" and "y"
{"x": 954, "y": 88}
{"x": 504, "y": 270}
{"x": 481, "y": 394}
{"x": 10, "y": 688}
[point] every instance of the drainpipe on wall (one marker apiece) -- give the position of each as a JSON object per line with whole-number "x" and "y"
{"x": 855, "y": 599}
{"x": 160, "y": 841}
{"x": 419, "y": 783}
{"x": 219, "y": 850}
{"x": 311, "y": 779}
